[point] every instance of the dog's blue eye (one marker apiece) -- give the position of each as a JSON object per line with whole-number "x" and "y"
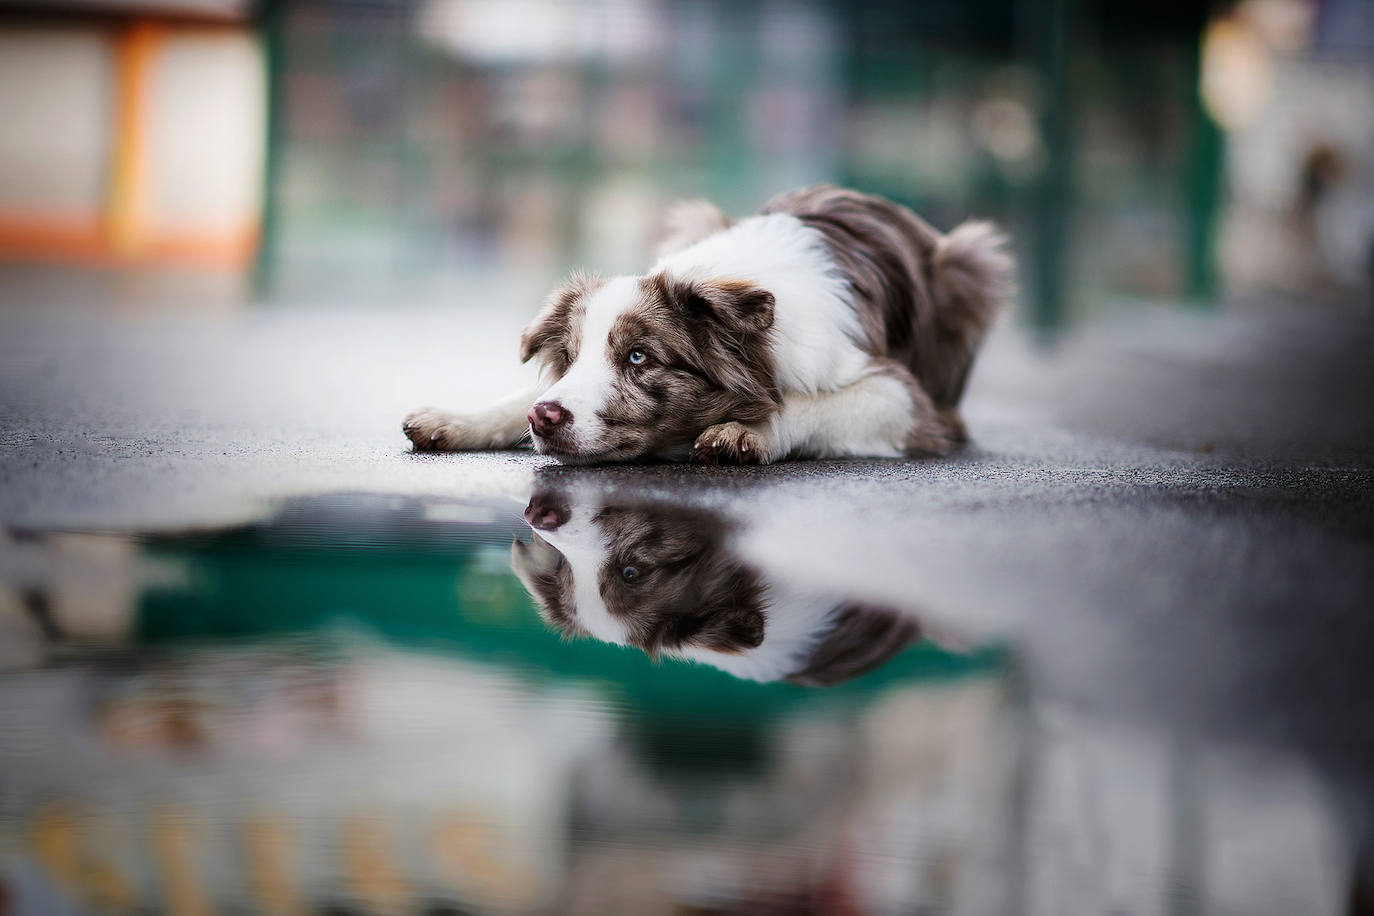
{"x": 629, "y": 574}
{"x": 636, "y": 357}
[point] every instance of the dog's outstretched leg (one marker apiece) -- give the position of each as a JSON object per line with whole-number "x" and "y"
{"x": 502, "y": 425}
{"x": 884, "y": 414}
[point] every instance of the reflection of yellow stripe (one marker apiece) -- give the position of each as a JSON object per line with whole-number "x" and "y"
{"x": 375, "y": 881}
{"x": 176, "y": 849}
{"x": 56, "y": 842}
{"x": 268, "y": 850}
{"x": 134, "y": 53}
{"x": 65, "y": 841}
{"x": 471, "y": 854}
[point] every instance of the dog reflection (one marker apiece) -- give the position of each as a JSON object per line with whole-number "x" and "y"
{"x": 663, "y": 579}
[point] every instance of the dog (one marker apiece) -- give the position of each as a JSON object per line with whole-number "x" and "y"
{"x": 664, "y": 579}
{"x": 831, "y": 324}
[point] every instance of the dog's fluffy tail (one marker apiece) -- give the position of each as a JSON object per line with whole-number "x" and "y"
{"x": 973, "y": 278}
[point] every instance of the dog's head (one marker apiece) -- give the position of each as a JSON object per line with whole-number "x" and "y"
{"x": 644, "y": 364}
{"x": 664, "y": 580}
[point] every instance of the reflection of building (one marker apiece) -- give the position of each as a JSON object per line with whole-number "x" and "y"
{"x": 297, "y": 778}
{"x": 241, "y": 746}
{"x": 131, "y": 137}
{"x": 339, "y": 776}
{"x": 351, "y": 707}
{"x": 277, "y": 782}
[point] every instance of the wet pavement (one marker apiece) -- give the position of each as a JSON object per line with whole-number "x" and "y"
{"x": 260, "y": 658}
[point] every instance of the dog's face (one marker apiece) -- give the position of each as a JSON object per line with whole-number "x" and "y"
{"x": 659, "y": 580}
{"x": 644, "y": 364}
{"x": 664, "y": 580}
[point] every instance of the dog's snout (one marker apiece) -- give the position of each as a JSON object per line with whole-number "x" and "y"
{"x": 547, "y": 417}
{"x": 543, "y": 515}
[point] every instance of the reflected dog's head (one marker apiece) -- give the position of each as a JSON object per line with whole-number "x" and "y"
{"x": 664, "y": 580}
{"x": 643, "y": 364}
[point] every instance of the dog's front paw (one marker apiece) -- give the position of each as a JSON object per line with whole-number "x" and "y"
{"x": 729, "y": 443}
{"x": 431, "y": 430}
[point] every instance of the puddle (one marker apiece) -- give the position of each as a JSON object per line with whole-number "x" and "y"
{"x": 582, "y": 703}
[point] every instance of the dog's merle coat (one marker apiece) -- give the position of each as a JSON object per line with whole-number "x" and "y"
{"x": 831, "y": 324}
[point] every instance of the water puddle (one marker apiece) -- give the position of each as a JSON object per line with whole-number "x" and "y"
{"x": 577, "y": 702}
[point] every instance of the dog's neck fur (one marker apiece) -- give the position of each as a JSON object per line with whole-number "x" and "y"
{"x": 817, "y": 335}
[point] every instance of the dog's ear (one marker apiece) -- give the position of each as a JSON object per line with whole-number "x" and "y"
{"x": 551, "y": 328}
{"x": 863, "y": 638}
{"x": 688, "y": 222}
{"x": 733, "y": 632}
{"x": 721, "y": 608}
{"x": 548, "y": 579}
{"x": 722, "y": 629}
{"x": 734, "y": 304}
{"x": 539, "y": 333}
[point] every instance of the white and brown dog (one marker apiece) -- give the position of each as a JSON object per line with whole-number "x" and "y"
{"x": 831, "y": 324}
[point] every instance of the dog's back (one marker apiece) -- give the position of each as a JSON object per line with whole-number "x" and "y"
{"x": 924, "y": 299}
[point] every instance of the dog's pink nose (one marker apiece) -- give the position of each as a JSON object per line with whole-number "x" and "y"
{"x": 544, "y": 515}
{"x": 547, "y": 417}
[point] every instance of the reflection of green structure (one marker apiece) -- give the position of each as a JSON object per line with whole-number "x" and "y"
{"x": 446, "y": 586}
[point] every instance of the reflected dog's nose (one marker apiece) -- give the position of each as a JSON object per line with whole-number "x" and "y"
{"x": 548, "y": 417}
{"x": 543, "y": 515}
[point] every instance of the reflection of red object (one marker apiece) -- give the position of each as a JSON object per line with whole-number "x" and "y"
{"x": 834, "y": 892}
{"x": 173, "y": 726}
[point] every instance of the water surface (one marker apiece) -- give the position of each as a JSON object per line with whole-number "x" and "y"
{"x": 356, "y": 704}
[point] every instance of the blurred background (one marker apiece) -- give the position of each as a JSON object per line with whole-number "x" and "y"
{"x": 361, "y": 150}
{"x": 255, "y": 657}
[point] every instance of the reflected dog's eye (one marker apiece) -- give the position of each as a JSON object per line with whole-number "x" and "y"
{"x": 637, "y": 357}
{"x": 629, "y": 573}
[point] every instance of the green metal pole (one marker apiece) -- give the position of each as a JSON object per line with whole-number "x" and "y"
{"x": 265, "y": 264}
{"x": 1045, "y": 25}
{"x": 1202, "y": 174}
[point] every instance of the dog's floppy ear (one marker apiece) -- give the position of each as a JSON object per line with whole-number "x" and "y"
{"x": 688, "y": 222}
{"x": 553, "y": 324}
{"x": 727, "y": 630}
{"x": 735, "y": 304}
{"x": 863, "y": 638}
{"x": 721, "y": 610}
{"x": 548, "y": 579}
